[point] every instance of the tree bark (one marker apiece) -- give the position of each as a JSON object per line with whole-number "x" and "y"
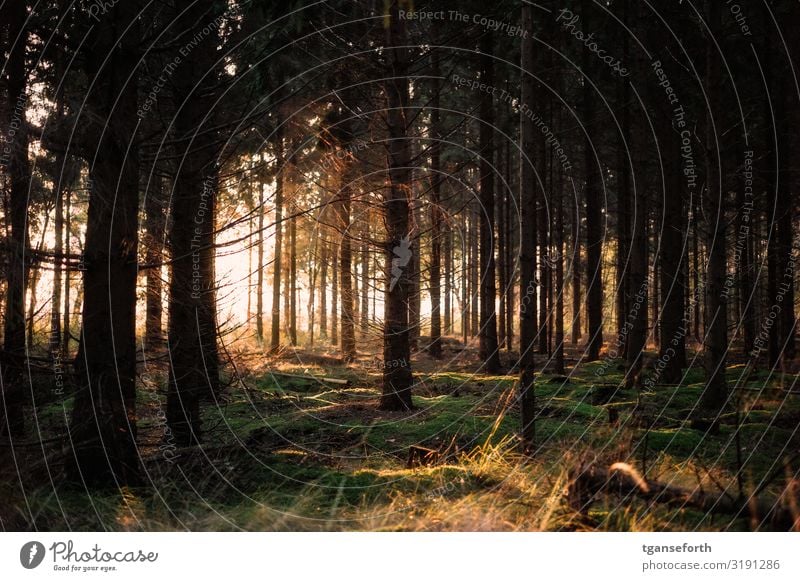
{"x": 528, "y": 226}
{"x": 154, "y": 227}
{"x": 488, "y": 349}
{"x": 397, "y": 376}
{"x": 275, "y": 331}
{"x": 12, "y": 419}
{"x": 715, "y": 347}
{"x": 435, "y": 347}
{"x": 103, "y": 427}
{"x": 594, "y": 234}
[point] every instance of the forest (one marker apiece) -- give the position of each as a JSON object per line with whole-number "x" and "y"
{"x": 361, "y": 265}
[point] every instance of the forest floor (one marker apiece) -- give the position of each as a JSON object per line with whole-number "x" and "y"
{"x": 286, "y": 450}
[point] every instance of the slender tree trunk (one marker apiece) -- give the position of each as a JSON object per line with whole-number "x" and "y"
{"x": 558, "y": 356}
{"x": 323, "y": 287}
{"x": 474, "y": 273}
{"x": 509, "y": 260}
{"x": 154, "y": 227}
{"x": 672, "y": 334}
{"x": 489, "y": 352}
{"x": 528, "y": 200}
{"x": 465, "y": 301}
{"x": 397, "y": 376}
{"x": 715, "y": 395}
{"x": 594, "y": 234}
{"x": 293, "y": 280}
{"x": 414, "y": 271}
{"x": 365, "y": 282}
{"x": 260, "y": 257}
{"x": 623, "y": 275}
{"x": 448, "y": 276}
{"x": 786, "y": 108}
{"x": 577, "y": 268}
{"x": 275, "y": 332}
{"x": 435, "y": 348}
{"x": 67, "y": 288}
{"x": 12, "y": 419}
{"x": 345, "y": 268}
{"x": 335, "y": 294}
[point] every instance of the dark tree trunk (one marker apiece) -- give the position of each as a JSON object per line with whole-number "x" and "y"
{"x": 672, "y": 333}
{"x": 335, "y": 293}
{"x": 448, "y": 277}
{"x": 293, "y": 281}
{"x": 414, "y": 271}
{"x": 192, "y": 334}
{"x": 103, "y": 427}
{"x": 12, "y": 419}
{"x": 345, "y": 268}
{"x": 154, "y": 227}
{"x": 323, "y": 287}
{"x": 465, "y": 250}
{"x": 365, "y": 282}
{"x": 275, "y": 332}
{"x": 261, "y": 210}
{"x": 577, "y": 268}
{"x": 528, "y": 198}
{"x": 623, "y": 274}
{"x": 558, "y": 355}
{"x": 715, "y": 346}
{"x": 67, "y": 288}
{"x": 474, "y": 271}
{"x": 435, "y": 348}
{"x": 397, "y": 376}
{"x": 594, "y": 234}
{"x": 488, "y": 349}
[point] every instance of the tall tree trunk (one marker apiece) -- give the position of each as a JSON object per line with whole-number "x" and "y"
{"x": 414, "y": 272}
{"x": 448, "y": 275}
{"x": 103, "y": 427}
{"x": 12, "y": 420}
{"x": 558, "y": 258}
{"x": 293, "y": 280}
{"x": 345, "y": 267}
{"x": 335, "y": 293}
{"x": 509, "y": 260}
{"x": 275, "y": 331}
{"x": 474, "y": 272}
{"x": 502, "y": 243}
{"x": 466, "y": 246}
{"x": 786, "y": 109}
{"x": 435, "y": 348}
{"x": 715, "y": 394}
{"x": 323, "y": 286}
{"x": 260, "y": 255}
{"x": 623, "y": 275}
{"x": 594, "y": 234}
{"x": 577, "y": 268}
{"x": 192, "y": 333}
{"x": 488, "y": 349}
{"x": 67, "y": 287}
{"x": 397, "y": 376}
{"x": 365, "y": 282}
{"x": 672, "y": 334}
{"x": 527, "y": 241}
{"x": 154, "y": 228}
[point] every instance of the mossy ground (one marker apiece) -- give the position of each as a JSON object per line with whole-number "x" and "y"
{"x": 294, "y": 453}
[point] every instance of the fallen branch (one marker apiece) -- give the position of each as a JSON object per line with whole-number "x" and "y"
{"x": 588, "y": 482}
{"x": 332, "y": 380}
